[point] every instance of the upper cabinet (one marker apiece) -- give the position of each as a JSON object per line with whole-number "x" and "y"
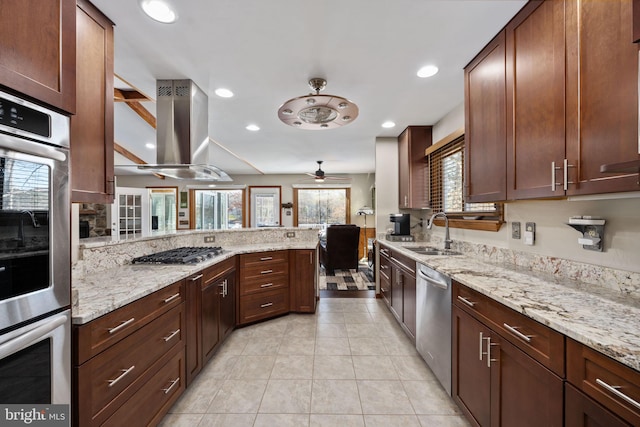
{"x": 571, "y": 82}
{"x": 412, "y": 167}
{"x": 38, "y": 50}
{"x": 485, "y": 124}
{"x": 92, "y": 127}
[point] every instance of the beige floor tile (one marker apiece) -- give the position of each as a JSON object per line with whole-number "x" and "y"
{"x": 333, "y": 368}
{"x": 330, "y": 306}
{"x": 300, "y": 330}
{"x": 332, "y": 346}
{"x": 399, "y": 346}
{"x": 443, "y": 421}
{"x": 273, "y": 328}
{"x": 293, "y": 367}
{"x": 428, "y": 397}
{"x": 331, "y": 330}
{"x": 238, "y": 397}
{"x": 282, "y": 420}
{"x": 227, "y": 420}
{"x": 367, "y": 346}
{"x": 330, "y": 317}
{"x": 180, "y": 420}
{"x": 382, "y": 316}
{"x": 357, "y": 306}
{"x": 362, "y": 330}
{"x": 412, "y": 368}
{"x": 197, "y": 400}
{"x": 358, "y": 317}
{"x": 297, "y": 345}
{"x": 220, "y": 366}
{"x": 383, "y": 397}
{"x": 335, "y": 397}
{"x": 329, "y": 420}
{"x": 391, "y": 421}
{"x": 262, "y": 346}
{"x": 234, "y": 345}
{"x": 374, "y": 368}
{"x": 252, "y": 367}
{"x": 286, "y": 397}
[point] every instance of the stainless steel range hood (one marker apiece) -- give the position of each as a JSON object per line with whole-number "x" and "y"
{"x": 183, "y": 147}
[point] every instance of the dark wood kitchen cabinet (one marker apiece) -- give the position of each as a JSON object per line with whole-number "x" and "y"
{"x": 385, "y": 272}
{"x": 38, "y": 50}
{"x": 263, "y": 291}
{"x": 507, "y": 369}
{"x": 485, "y": 124}
{"x": 302, "y": 280}
{"x": 413, "y": 176}
{"x": 581, "y": 411}
{"x": 129, "y": 365}
{"x": 398, "y": 274}
{"x": 92, "y": 128}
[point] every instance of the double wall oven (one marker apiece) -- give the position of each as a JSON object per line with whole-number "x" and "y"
{"x": 35, "y": 277}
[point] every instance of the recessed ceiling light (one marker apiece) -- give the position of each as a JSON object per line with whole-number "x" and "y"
{"x": 427, "y": 71}
{"x": 150, "y": 145}
{"x": 159, "y": 10}
{"x": 388, "y": 124}
{"x": 224, "y": 93}
{"x": 253, "y": 128}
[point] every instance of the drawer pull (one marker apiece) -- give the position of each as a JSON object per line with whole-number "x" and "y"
{"x": 266, "y": 285}
{"x": 269, "y": 304}
{"x": 124, "y": 373}
{"x": 121, "y": 325}
{"x": 614, "y": 390}
{"x": 466, "y": 301}
{"x": 266, "y": 271}
{"x": 171, "y": 335}
{"x": 171, "y": 298}
{"x": 266, "y": 258}
{"x": 199, "y": 276}
{"x": 173, "y": 384}
{"x": 514, "y": 331}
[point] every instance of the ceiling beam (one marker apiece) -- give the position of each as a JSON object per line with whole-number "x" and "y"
{"x": 129, "y": 155}
{"x": 128, "y": 95}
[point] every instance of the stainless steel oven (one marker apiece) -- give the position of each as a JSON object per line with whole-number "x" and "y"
{"x": 35, "y": 271}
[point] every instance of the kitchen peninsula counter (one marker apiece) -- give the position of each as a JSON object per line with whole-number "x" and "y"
{"x": 605, "y": 319}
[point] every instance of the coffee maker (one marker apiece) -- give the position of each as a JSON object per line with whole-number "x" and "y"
{"x": 400, "y": 224}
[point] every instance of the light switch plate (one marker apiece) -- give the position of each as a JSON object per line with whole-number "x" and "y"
{"x": 530, "y": 233}
{"x": 515, "y": 230}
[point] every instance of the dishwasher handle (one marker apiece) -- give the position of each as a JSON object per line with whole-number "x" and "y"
{"x": 433, "y": 282}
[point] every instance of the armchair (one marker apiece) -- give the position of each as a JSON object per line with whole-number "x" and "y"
{"x": 340, "y": 248}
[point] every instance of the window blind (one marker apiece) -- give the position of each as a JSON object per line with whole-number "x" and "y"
{"x": 24, "y": 185}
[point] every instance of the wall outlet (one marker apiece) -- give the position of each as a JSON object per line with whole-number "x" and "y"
{"x": 209, "y": 239}
{"x": 515, "y": 230}
{"x": 291, "y": 234}
{"x": 529, "y": 233}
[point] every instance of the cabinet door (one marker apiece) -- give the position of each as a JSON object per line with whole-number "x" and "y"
{"x": 471, "y": 376}
{"x": 193, "y": 357}
{"x": 602, "y": 95}
{"x": 302, "y": 281}
{"x": 210, "y": 297}
{"x": 397, "y": 295}
{"x": 412, "y": 167}
{"x": 523, "y": 392}
{"x": 228, "y": 305}
{"x": 580, "y": 411}
{"x": 409, "y": 303}
{"x": 92, "y": 126}
{"x": 38, "y": 50}
{"x": 485, "y": 124}
{"x": 535, "y": 53}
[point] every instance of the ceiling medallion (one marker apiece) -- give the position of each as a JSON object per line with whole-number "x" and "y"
{"x": 315, "y": 111}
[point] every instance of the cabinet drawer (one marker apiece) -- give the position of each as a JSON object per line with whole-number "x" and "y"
{"x": 540, "y": 342}
{"x": 263, "y": 305}
{"x": 263, "y": 258}
{"x": 99, "y": 334}
{"x": 105, "y": 380}
{"x": 154, "y": 398}
{"x": 266, "y": 283}
{"x": 610, "y": 383}
{"x": 218, "y": 270}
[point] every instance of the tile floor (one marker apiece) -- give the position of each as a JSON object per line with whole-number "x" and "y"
{"x": 350, "y": 364}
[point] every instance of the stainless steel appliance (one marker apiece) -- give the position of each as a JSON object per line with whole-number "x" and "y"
{"x": 184, "y": 255}
{"x": 433, "y": 322}
{"x": 400, "y": 224}
{"x": 35, "y": 277}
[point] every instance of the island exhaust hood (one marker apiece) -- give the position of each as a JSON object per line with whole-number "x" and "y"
{"x": 182, "y": 133}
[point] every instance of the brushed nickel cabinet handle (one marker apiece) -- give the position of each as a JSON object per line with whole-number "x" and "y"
{"x": 173, "y": 383}
{"x": 121, "y": 325}
{"x": 614, "y": 390}
{"x": 124, "y": 373}
{"x": 466, "y": 301}
{"x": 266, "y": 285}
{"x": 266, "y": 258}
{"x": 199, "y": 276}
{"x": 171, "y": 298}
{"x": 269, "y": 304}
{"x": 171, "y": 335}
{"x": 266, "y": 271}
{"x": 514, "y": 331}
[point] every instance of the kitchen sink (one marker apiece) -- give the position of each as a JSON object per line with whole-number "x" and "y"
{"x": 429, "y": 250}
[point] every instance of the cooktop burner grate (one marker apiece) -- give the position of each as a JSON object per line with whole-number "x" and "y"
{"x": 184, "y": 255}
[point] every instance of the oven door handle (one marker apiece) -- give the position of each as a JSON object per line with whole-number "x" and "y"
{"x": 15, "y": 143}
{"x": 24, "y": 339}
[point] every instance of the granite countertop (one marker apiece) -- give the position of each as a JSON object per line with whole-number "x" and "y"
{"x": 102, "y": 292}
{"x": 601, "y": 318}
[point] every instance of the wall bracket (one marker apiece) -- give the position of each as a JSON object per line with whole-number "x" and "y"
{"x": 592, "y": 230}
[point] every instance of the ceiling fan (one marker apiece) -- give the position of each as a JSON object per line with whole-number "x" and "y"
{"x": 319, "y": 175}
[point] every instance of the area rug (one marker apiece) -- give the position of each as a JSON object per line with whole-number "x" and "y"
{"x": 347, "y": 280}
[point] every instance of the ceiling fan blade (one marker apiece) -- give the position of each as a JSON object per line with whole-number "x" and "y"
{"x": 337, "y": 178}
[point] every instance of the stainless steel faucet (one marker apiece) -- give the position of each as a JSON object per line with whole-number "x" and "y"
{"x": 447, "y": 238}
{"x": 34, "y": 222}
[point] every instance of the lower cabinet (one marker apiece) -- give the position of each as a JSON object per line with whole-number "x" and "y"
{"x": 302, "y": 280}
{"x": 385, "y": 276}
{"x": 398, "y": 287}
{"x": 580, "y": 410}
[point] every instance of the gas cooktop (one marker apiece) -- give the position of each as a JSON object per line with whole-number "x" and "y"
{"x": 184, "y": 255}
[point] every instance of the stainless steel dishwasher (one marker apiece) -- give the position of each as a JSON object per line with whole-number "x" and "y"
{"x": 433, "y": 323}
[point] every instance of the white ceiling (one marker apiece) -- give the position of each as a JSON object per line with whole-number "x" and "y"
{"x": 265, "y": 51}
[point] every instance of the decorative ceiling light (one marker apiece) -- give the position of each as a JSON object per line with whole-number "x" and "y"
{"x": 318, "y": 111}
{"x": 159, "y": 10}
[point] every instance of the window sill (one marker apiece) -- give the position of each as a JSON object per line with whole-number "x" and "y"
{"x": 471, "y": 224}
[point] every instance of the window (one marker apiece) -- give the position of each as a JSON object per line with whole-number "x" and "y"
{"x": 446, "y": 178}
{"x": 264, "y": 205}
{"x": 164, "y": 209}
{"x": 318, "y": 207}
{"x": 218, "y": 209}
{"x": 23, "y": 185}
